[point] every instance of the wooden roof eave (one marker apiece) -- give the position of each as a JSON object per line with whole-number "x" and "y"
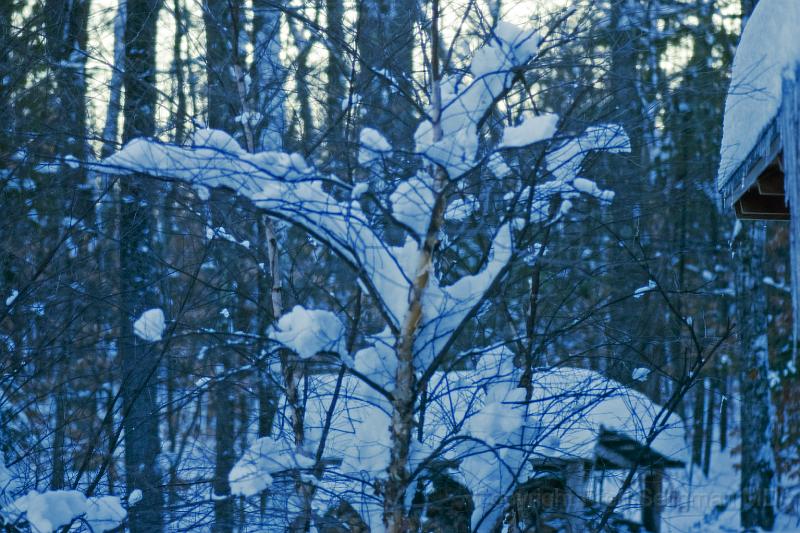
{"x": 762, "y": 155}
{"x": 616, "y": 450}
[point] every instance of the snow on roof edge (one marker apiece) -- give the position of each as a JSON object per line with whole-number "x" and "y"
{"x": 768, "y": 50}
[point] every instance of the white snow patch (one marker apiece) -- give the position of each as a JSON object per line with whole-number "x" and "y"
{"x": 12, "y": 297}
{"x": 531, "y": 129}
{"x": 221, "y": 233}
{"x": 135, "y": 497}
{"x": 461, "y": 208}
{"x": 464, "y": 101}
{"x": 641, "y": 291}
{"x": 104, "y": 513}
{"x": 498, "y": 166}
{"x": 48, "y": 511}
{"x": 150, "y": 325}
{"x": 589, "y": 187}
{"x": 359, "y": 190}
{"x": 412, "y": 202}
{"x": 264, "y": 458}
{"x": 215, "y": 140}
{"x": 309, "y": 331}
{"x": 373, "y": 146}
{"x": 640, "y": 374}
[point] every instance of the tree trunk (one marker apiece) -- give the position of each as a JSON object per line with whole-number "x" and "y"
{"x": 177, "y": 68}
{"x": 652, "y": 503}
{"x": 65, "y": 45}
{"x": 222, "y": 20}
{"x": 758, "y": 460}
{"x": 724, "y": 407}
{"x": 268, "y": 395}
{"x": 115, "y": 84}
{"x": 395, "y": 514}
{"x": 709, "y": 428}
{"x": 224, "y": 440}
{"x": 335, "y": 91}
{"x": 627, "y": 108}
{"x": 139, "y": 359}
{"x": 385, "y": 42}
{"x": 697, "y": 423}
{"x": 58, "y": 478}
{"x": 269, "y": 75}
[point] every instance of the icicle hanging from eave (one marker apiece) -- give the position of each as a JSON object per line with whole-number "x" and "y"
{"x": 790, "y": 134}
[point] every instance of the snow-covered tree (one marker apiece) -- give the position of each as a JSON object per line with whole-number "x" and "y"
{"x": 400, "y": 410}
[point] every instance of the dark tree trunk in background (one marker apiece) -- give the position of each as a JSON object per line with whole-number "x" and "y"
{"x": 758, "y": 459}
{"x": 224, "y": 26}
{"x": 709, "y": 428}
{"x": 110, "y": 128}
{"x": 139, "y": 359}
{"x": 222, "y": 23}
{"x": 66, "y": 39}
{"x": 697, "y": 423}
{"x": 224, "y": 407}
{"x": 385, "y": 42}
{"x": 335, "y": 91}
{"x": 624, "y": 79}
{"x": 268, "y": 75}
{"x": 652, "y": 500}
{"x": 57, "y": 479}
{"x": 724, "y": 407}
{"x": 177, "y": 68}
{"x": 7, "y": 38}
{"x": 268, "y": 392}
{"x": 66, "y": 49}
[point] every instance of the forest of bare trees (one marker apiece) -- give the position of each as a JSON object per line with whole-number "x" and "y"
{"x": 401, "y": 265}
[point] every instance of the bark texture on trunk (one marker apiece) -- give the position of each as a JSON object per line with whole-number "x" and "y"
{"x": 110, "y": 127}
{"x": 385, "y": 42}
{"x": 758, "y": 485}
{"x": 269, "y": 75}
{"x": 222, "y": 20}
{"x": 140, "y": 359}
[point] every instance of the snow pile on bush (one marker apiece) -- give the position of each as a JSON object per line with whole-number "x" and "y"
{"x": 48, "y": 511}
{"x": 150, "y": 325}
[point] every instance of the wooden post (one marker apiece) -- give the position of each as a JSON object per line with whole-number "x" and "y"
{"x": 651, "y": 500}
{"x": 789, "y": 122}
{"x": 575, "y": 494}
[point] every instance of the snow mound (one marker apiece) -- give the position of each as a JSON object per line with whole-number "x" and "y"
{"x": 48, "y": 511}
{"x": 768, "y": 50}
{"x": 217, "y": 140}
{"x": 309, "y": 331}
{"x": 150, "y": 325}
{"x": 373, "y": 146}
{"x": 593, "y": 403}
{"x": 640, "y": 373}
{"x": 465, "y": 101}
{"x": 263, "y": 459}
{"x": 531, "y": 130}
{"x": 412, "y": 202}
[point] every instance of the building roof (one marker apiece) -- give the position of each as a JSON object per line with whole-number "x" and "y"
{"x": 768, "y": 50}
